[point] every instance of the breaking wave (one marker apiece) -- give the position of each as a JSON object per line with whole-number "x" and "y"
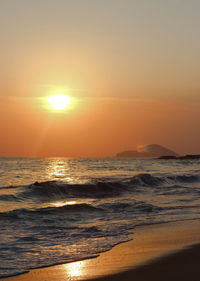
{"x": 51, "y": 190}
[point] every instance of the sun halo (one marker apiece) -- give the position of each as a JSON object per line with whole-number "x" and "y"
{"x": 59, "y": 102}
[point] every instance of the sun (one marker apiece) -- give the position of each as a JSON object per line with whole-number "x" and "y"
{"x": 59, "y": 102}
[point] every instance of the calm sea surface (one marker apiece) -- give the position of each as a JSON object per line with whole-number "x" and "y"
{"x": 60, "y": 209}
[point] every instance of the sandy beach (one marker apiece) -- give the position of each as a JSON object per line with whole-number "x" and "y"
{"x": 168, "y": 251}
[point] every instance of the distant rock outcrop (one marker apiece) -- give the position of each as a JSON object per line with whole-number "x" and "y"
{"x": 185, "y": 157}
{"x": 151, "y": 151}
{"x": 168, "y": 157}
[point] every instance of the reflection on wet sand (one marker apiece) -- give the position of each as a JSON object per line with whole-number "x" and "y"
{"x": 75, "y": 270}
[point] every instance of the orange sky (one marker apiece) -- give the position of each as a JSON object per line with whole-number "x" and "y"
{"x": 130, "y": 67}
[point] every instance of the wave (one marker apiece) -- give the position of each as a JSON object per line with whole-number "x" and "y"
{"x": 185, "y": 178}
{"x": 134, "y": 207}
{"x": 147, "y": 180}
{"x": 52, "y": 190}
{"x": 9, "y": 197}
{"x": 70, "y": 211}
{"x": 22, "y": 213}
{"x": 150, "y": 180}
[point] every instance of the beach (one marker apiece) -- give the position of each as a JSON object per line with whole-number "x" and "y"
{"x": 167, "y": 251}
{"x": 99, "y": 146}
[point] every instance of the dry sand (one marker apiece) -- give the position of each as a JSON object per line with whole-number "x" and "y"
{"x": 157, "y": 253}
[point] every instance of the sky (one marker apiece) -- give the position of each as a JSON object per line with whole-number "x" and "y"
{"x": 131, "y": 68}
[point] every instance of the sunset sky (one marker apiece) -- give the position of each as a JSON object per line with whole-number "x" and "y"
{"x": 130, "y": 67}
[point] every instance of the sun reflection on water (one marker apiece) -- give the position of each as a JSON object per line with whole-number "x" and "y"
{"x": 58, "y": 169}
{"x": 63, "y": 203}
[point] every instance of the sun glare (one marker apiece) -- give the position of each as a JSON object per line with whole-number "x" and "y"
{"x": 59, "y": 102}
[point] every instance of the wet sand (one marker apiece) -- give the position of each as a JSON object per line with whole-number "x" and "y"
{"x": 168, "y": 251}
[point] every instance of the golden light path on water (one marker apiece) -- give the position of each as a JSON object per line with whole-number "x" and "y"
{"x": 63, "y": 203}
{"x": 58, "y": 169}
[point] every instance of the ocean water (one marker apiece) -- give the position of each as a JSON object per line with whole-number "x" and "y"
{"x": 57, "y": 210}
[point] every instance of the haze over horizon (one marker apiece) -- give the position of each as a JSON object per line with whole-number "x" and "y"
{"x": 130, "y": 68}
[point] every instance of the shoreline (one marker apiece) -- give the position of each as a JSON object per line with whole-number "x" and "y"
{"x": 151, "y": 245}
{"x": 178, "y": 265}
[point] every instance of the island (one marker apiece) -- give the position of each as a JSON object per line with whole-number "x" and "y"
{"x": 148, "y": 151}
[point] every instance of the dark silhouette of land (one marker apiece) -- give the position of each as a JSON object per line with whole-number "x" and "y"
{"x": 184, "y": 157}
{"x": 148, "y": 151}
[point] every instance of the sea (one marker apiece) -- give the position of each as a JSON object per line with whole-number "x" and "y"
{"x": 58, "y": 210}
